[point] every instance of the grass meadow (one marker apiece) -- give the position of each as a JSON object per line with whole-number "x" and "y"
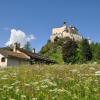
{"x": 50, "y": 82}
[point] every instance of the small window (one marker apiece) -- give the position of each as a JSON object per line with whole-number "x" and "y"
{"x": 3, "y": 59}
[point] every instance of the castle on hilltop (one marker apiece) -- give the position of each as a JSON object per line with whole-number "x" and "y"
{"x": 66, "y": 31}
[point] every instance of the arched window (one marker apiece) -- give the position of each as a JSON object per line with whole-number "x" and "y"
{"x": 3, "y": 59}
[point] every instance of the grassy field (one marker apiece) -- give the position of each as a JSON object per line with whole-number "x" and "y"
{"x": 50, "y": 82}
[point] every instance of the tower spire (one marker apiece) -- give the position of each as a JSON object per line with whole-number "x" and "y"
{"x": 64, "y": 23}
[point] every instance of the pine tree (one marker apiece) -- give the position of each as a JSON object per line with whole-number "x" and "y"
{"x": 96, "y": 51}
{"x": 86, "y": 51}
{"x": 28, "y": 46}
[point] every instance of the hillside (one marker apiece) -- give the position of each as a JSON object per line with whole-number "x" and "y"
{"x": 67, "y": 45}
{"x": 66, "y": 50}
{"x": 53, "y": 82}
{"x": 53, "y": 50}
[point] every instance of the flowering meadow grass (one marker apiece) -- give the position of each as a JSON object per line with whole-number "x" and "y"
{"x": 50, "y": 82}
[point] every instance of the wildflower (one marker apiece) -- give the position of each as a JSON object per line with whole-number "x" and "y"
{"x": 97, "y": 73}
{"x": 15, "y": 83}
{"x": 11, "y": 99}
{"x": 75, "y": 97}
{"x": 5, "y": 86}
{"x": 17, "y": 90}
{"x": 14, "y": 74}
{"x": 4, "y": 78}
{"x": 45, "y": 80}
{"x": 61, "y": 90}
{"x": 35, "y": 83}
{"x": 37, "y": 88}
{"x": 53, "y": 90}
{"x": 96, "y": 80}
{"x": 92, "y": 68}
{"x": 34, "y": 98}
{"x": 95, "y": 63}
{"x": 54, "y": 98}
{"x": 52, "y": 84}
{"x": 26, "y": 84}
{"x": 11, "y": 87}
{"x": 23, "y": 96}
{"x": 73, "y": 70}
{"x": 44, "y": 86}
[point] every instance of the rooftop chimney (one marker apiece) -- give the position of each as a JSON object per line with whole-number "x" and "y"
{"x": 15, "y": 46}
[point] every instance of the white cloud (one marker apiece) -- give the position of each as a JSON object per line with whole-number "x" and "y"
{"x": 19, "y": 37}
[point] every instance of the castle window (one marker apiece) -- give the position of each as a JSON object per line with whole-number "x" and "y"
{"x": 3, "y": 59}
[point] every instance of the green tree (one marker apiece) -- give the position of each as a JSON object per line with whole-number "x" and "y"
{"x": 69, "y": 49}
{"x": 28, "y": 46}
{"x": 85, "y": 51}
{"x": 96, "y": 51}
{"x": 53, "y": 50}
{"x": 46, "y": 48}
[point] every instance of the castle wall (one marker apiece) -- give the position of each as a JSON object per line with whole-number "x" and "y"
{"x": 65, "y": 31}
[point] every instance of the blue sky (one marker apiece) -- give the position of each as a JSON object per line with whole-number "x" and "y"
{"x": 38, "y": 17}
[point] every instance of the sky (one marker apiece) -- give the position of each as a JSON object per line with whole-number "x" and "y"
{"x": 37, "y": 18}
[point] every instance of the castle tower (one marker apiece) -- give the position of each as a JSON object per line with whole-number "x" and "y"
{"x": 64, "y": 24}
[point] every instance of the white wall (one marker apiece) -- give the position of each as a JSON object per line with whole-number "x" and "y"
{"x": 16, "y": 62}
{"x": 60, "y": 32}
{"x": 12, "y": 62}
{"x": 3, "y": 64}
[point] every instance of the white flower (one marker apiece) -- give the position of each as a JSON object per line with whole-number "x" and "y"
{"x": 73, "y": 70}
{"x": 44, "y": 86}
{"x": 17, "y": 82}
{"x": 45, "y": 80}
{"x": 17, "y": 90}
{"x": 97, "y": 73}
{"x": 5, "y": 86}
{"x": 23, "y": 96}
{"x": 11, "y": 87}
{"x": 52, "y": 84}
{"x": 26, "y": 84}
{"x": 11, "y": 99}
{"x": 37, "y": 88}
{"x": 54, "y": 90}
{"x": 61, "y": 90}
{"x": 34, "y": 98}
{"x": 4, "y": 78}
{"x": 58, "y": 90}
{"x": 35, "y": 83}
{"x": 95, "y": 63}
{"x": 92, "y": 68}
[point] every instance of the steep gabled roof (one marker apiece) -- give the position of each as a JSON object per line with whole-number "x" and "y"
{"x": 8, "y": 53}
{"x": 36, "y": 56}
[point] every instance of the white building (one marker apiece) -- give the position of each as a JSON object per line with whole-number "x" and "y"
{"x": 66, "y": 31}
{"x": 16, "y": 56}
{"x": 13, "y": 58}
